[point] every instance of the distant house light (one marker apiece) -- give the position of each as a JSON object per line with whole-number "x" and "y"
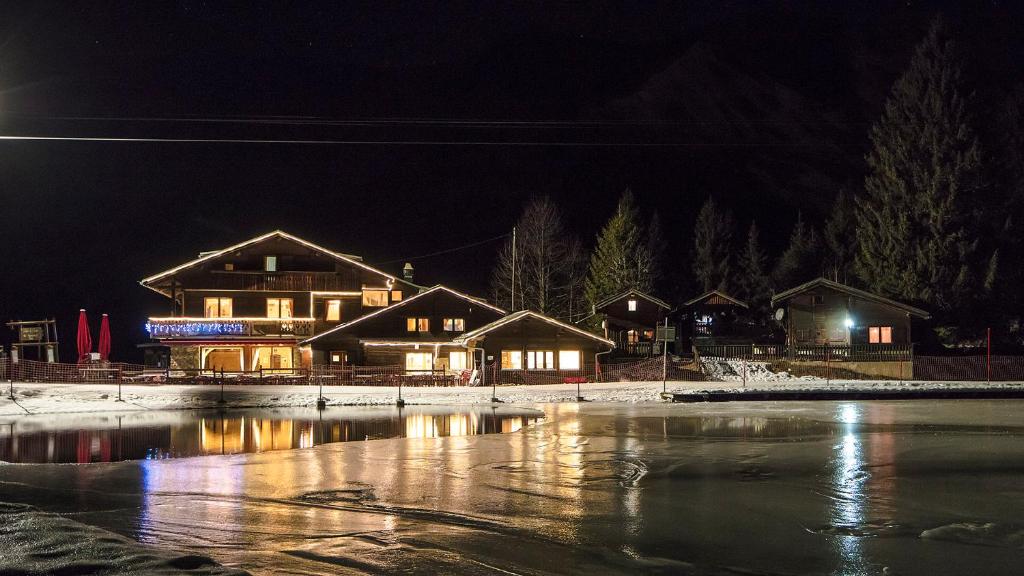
{"x": 848, "y": 322}
{"x": 632, "y": 305}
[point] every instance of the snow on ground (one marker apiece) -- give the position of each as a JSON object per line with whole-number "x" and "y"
{"x": 67, "y": 398}
{"x": 727, "y": 370}
{"x": 36, "y": 542}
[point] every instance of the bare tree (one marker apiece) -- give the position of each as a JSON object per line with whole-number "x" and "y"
{"x": 546, "y": 263}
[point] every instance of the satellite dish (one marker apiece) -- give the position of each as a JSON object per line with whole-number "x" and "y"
{"x": 779, "y": 314}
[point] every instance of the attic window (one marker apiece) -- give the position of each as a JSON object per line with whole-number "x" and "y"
{"x": 229, "y": 266}
{"x": 270, "y": 263}
{"x": 631, "y": 305}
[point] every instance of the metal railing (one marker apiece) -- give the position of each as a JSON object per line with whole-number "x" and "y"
{"x": 815, "y": 353}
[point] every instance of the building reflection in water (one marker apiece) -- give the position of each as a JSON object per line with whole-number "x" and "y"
{"x": 92, "y": 440}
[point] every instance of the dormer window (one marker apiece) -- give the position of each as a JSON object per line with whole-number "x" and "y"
{"x": 270, "y": 263}
{"x": 631, "y": 305}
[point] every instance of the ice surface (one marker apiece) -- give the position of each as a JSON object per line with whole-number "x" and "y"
{"x": 922, "y": 487}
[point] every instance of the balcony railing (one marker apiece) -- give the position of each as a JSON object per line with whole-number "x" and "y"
{"x": 176, "y": 327}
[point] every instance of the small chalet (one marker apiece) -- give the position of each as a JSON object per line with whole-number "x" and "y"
{"x": 630, "y": 321}
{"x": 826, "y": 312}
{"x": 716, "y": 318}
{"x": 418, "y": 334}
{"x": 526, "y": 340}
{"x": 246, "y": 308}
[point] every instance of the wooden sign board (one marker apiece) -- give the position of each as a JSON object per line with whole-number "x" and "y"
{"x": 666, "y": 334}
{"x": 30, "y": 333}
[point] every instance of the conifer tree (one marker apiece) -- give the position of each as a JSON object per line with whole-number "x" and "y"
{"x": 655, "y": 244}
{"x": 712, "y": 246}
{"x": 752, "y": 281}
{"x": 801, "y": 260}
{"x": 840, "y": 234}
{"x": 915, "y": 219}
{"x": 620, "y": 260}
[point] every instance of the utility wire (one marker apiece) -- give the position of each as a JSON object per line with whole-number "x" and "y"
{"x": 534, "y": 143}
{"x": 449, "y": 250}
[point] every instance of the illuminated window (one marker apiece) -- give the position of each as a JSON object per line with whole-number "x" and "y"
{"x": 339, "y": 356}
{"x": 396, "y": 295}
{"x": 333, "y": 311}
{"x": 569, "y": 359}
{"x": 375, "y": 298}
{"x": 270, "y": 263}
{"x": 419, "y": 361}
{"x": 457, "y": 360}
{"x": 271, "y": 357}
{"x": 417, "y": 324}
{"x": 217, "y": 307}
{"x": 216, "y": 358}
{"x": 880, "y": 334}
{"x": 540, "y": 360}
{"x": 280, "y": 308}
{"x": 511, "y": 359}
{"x": 454, "y": 324}
{"x": 632, "y": 305}
{"x": 229, "y": 266}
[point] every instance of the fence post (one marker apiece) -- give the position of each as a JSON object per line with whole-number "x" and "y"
{"x": 988, "y": 355}
{"x": 221, "y": 401}
{"x": 828, "y": 367}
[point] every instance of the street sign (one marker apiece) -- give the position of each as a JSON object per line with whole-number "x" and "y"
{"x": 666, "y": 334}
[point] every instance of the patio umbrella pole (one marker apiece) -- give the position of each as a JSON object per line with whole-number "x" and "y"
{"x": 400, "y": 402}
{"x": 321, "y": 402}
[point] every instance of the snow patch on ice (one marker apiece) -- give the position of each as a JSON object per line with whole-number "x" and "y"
{"x": 36, "y": 542}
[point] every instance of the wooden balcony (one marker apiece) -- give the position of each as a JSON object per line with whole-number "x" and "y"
{"x": 285, "y": 281}
{"x": 175, "y": 327}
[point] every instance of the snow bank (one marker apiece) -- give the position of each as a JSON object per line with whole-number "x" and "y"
{"x": 35, "y": 542}
{"x": 723, "y": 370}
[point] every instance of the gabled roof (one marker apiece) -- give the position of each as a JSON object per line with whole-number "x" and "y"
{"x": 206, "y": 256}
{"x": 521, "y": 315}
{"x": 718, "y": 293}
{"x": 382, "y": 311}
{"x": 636, "y": 293}
{"x": 856, "y": 292}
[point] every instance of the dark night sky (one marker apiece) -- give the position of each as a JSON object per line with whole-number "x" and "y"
{"x": 765, "y": 105}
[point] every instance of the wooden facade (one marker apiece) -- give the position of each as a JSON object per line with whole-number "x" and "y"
{"x": 716, "y": 318}
{"x": 405, "y": 333}
{"x": 630, "y": 320}
{"x": 530, "y": 341}
{"x": 247, "y": 307}
{"x": 824, "y": 312}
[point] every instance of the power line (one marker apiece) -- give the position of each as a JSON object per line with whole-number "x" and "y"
{"x": 534, "y": 143}
{"x": 449, "y": 250}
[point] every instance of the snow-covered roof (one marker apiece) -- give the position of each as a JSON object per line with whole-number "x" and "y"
{"x": 522, "y": 315}
{"x": 855, "y": 292}
{"x": 382, "y": 311}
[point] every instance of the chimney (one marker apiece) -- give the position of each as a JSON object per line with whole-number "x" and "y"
{"x": 407, "y": 271}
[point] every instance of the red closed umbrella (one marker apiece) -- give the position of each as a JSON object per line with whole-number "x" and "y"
{"x": 84, "y": 338}
{"x": 104, "y": 345}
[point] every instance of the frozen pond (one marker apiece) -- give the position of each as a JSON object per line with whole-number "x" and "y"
{"x": 922, "y": 487}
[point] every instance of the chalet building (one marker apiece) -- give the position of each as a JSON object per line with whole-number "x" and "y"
{"x": 716, "y": 318}
{"x": 825, "y": 312}
{"x": 418, "y": 333}
{"x": 247, "y": 307}
{"x": 630, "y": 320}
{"x": 526, "y": 340}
